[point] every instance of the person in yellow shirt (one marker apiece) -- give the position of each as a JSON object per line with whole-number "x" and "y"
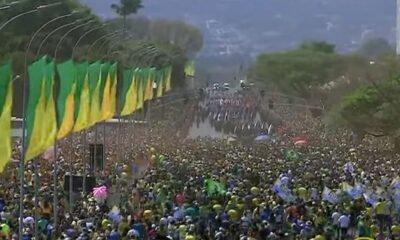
{"x": 190, "y": 237}
{"x": 395, "y": 230}
{"x": 302, "y": 193}
{"x": 319, "y": 237}
{"x": 380, "y": 210}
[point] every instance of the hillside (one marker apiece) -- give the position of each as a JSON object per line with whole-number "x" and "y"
{"x": 238, "y": 27}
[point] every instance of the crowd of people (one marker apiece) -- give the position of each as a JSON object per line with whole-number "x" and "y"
{"x": 235, "y": 113}
{"x": 161, "y": 185}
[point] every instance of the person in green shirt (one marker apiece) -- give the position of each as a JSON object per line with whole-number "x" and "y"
{"x": 362, "y": 228}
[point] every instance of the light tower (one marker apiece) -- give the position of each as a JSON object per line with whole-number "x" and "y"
{"x": 398, "y": 27}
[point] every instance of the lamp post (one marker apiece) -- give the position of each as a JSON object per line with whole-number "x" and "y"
{"x": 398, "y": 27}
{"x": 84, "y": 35}
{"x": 101, "y": 38}
{"x": 52, "y": 32}
{"x": 109, "y": 53}
{"x": 55, "y": 148}
{"x": 22, "y": 163}
{"x": 66, "y": 34}
{"x": 55, "y": 200}
{"x": 27, "y": 12}
{"x": 17, "y": 16}
{"x": 8, "y": 5}
{"x": 148, "y": 52}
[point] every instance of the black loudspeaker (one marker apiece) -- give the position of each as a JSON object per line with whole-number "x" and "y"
{"x": 271, "y": 104}
{"x": 96, "y": 156}
{"x": 77, "y": 183}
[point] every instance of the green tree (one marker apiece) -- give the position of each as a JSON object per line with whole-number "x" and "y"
{"x": 126, "y": 8}
{"x": 374, "y": 110}
{"x": 375, "y": 47}
{"x": 298, "y": 71}
{"x": 317, "y": 46}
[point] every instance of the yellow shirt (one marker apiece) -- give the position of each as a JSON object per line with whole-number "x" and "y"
{"x": 380, "y": 208}
{"x": 302, "y": 192}
{"x": 190, "y": 237}
{"x": 105, "y": 223}
{"x": 319, "y": 237}
{"x": 396, "y": 229}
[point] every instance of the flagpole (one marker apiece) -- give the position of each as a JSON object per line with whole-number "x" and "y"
{"x": 36, "y": 185}
{"x": 55, "y": 143}
{"x": 55, "y": 165}
{"x": 95, "y": 151}
{"x": 118, "y": 142}
{"x": 55, "y": 170}
{"x": 22, "y": 163}
{"x": 84, "y": 161}
{"x": 104, "y": 146}
{"x": 70, "y": 190}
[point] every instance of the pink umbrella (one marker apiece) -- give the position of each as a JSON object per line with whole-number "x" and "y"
{"x": 100, "y": 193}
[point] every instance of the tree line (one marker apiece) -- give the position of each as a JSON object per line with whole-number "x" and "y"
{"x": 359, "y": 90}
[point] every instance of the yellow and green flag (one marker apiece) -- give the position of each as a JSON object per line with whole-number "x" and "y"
{"x": 141, "y": 82}
{"x": 105, "y": 89}
{"x": 168, "y": 79}
{"x": 82, "y": 105}
{"x": 95, "y": 94}
{"x": 129, "y": 93}
{"x": 108, "y": 106}
{"x": 50, "y": 122}
{"x": 41, "y": 123}
{"x": 113, "y": 92}
{"x": 148, "y": 90}
{"x": 6, "y": 91}
{"x": 66, "y": 98}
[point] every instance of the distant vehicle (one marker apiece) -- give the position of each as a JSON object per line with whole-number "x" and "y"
{"x": 242, "y": 84}
{"x": 227, "y": 86}
{"x": 216, "y": 86}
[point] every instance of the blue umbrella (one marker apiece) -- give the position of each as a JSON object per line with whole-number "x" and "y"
{"x": 263, "y": 138}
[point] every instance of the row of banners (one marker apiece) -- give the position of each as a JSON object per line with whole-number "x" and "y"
{"x": 87, "y": 95}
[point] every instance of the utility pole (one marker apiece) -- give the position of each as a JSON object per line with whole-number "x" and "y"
{"x": 398, "y": 27}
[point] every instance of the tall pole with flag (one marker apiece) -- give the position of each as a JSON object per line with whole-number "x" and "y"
{"x": 24, "y": 95}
